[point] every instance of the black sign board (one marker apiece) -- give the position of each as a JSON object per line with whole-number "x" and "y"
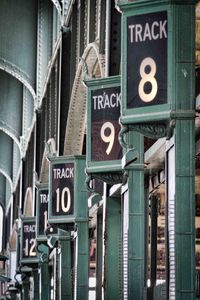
{"x": 67, "y": 197}
{"x": 62, "y": 189}
{"x": 104, "y": 151}
{"x": 43, "y": 211}
{"x": 105, "y": 113}
{"x": 28, "y": 251}
{"x": 147, "y": 59}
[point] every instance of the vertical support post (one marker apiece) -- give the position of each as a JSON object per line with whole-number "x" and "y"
{"x": 44, "y": 281}
{"x": 99, "y": 256}
{"x": 36, "y": 284}
{"x": 153, "y": 261}
{"x": 65, "y": 267}
{"x": 26, "y": 288}
{"x": 136, "y": 227}
{"x": 113, "y": 270}
{"x": 82, "y": 261}
{"x": 184, "y": 210}
{"x": 183, "y": 58}
{"x": 146, "y": 234}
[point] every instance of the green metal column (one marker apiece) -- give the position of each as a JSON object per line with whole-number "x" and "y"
{"x": 184, "y": 210}
{"x": 113, "y": 270}
{"x": 26, "y": 288}
{"x": 44, "y": 281}
{"x": 65, "y": 266}
{"x": 137, "y": 221}
{"x": 36, "y": 284}
{"x": 44, "y": 286}
{"x": 99, "y": 256}
{"x": 184, "y": 200}
{"x": 82, "y": 261}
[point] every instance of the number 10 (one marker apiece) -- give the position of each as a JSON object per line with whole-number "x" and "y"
{"x": 65, "y": 207}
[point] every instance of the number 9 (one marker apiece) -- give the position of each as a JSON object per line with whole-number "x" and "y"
{"x": 108, "y": 138}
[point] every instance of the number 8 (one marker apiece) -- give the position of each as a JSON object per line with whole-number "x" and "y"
{"x": 148, "y": 77}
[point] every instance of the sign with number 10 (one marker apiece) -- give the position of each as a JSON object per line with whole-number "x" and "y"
{"x": 62, "y": 189}
{"x": 66, "y": 183}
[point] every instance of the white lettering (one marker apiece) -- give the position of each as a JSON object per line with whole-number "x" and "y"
{"x": 29, "y": 228}
{"x": 100, "y": 101}
{"x": 107, "y": 101}
{"x": 138, "y": 31}
{"x": 95, "y": 102}
{"x": 63, "y": 173}
{"x": 163, "y": 31}
{"x": 153, "y": 33}
{"x": 148, "y": 31}
{"x": 43, "y": 198}
{"x": 112, "y": 104}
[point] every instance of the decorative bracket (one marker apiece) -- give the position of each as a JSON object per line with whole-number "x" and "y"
{"x": 44, "y": 252}
{"x": 150, "y": 130}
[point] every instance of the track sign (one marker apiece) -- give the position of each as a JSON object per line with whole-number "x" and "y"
{"x": 103, "y": 112}
{"x": 42, "y": 212}
{"x": 145, "y": 68}
{"x": 147, "y": 51}
{"x": 67, "y": 179}
{"x": 28, "y": 241}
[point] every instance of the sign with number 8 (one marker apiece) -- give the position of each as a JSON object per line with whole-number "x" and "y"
{"x": 147, "y": 59}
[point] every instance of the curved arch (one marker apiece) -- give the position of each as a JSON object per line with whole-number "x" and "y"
{"x": 13, "y": 71}
{"x": 8, "y": 178}
{"x": 75, "y": 129}
{"x": 58, "y": 7}
{"x": 49, "y": 149}
{"x": 28, "y": 203}
{"x": 12, "y": 136}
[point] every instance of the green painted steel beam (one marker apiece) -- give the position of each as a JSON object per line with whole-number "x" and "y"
{"x": 185, "y": 210}
{"x": 137, "y": 221}
{"x": 36, "y": 284}
{"x": 44, "y": 281}
{"x": 99, "y": 255}
{"x": 184, "y": 68}
{"x": 18, "y": 35}
{"x": 65, "y": 266}
{"x": 25, "y": 288}
{"x": 82, "y": 261}
{"x": 113, "y": 244}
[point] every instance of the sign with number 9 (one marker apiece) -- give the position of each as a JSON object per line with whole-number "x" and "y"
{"x": 105, "y": 113}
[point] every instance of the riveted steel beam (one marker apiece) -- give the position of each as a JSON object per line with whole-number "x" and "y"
{"x": 13, "y": 71}
{"x": 58, "y": 7}
{"x": 12, "y": 136}
{"x": 5, "y": 174}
